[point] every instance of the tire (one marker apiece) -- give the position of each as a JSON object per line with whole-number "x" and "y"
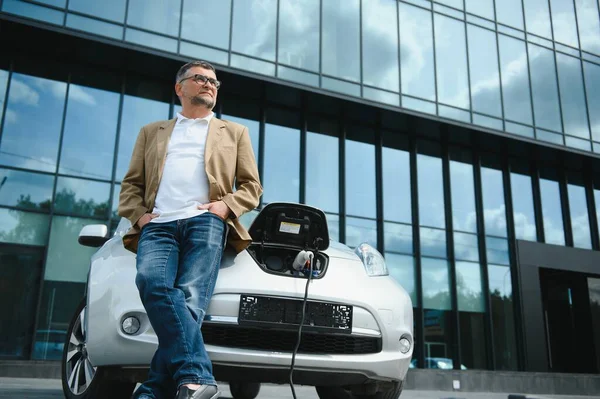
{"x": 244, "y": 390}
{"x": 80, "y": 379}
{"x": 341, "y": 393}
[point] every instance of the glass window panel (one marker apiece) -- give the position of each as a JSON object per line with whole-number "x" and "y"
{"x": 469, "y": 287}
{"x": 402, "y": 269}
{"x": 299, "y": 33}
{"x": 115, "y": 203}
{"x": 485, "y": 8}
{"x": 486, "y": 121}
{"x": 252, "y": 65}
{"x": 418, "y": 105}
{"x": 207, "y": 22}
{"x": 452, "y": 3}
{"x": 483, "y": 63}
{"x": 515, "y": 80}
{"x": 3, "y": 85}
{"x": 66, "y": 260}
{"x": 253, "y": 129}
{"x": 454, "y": 113}
{"x": 341, "y": 39}
{"x": 439, "y": 329}
{"x": 94, "y": 26}
{"x": 578, "y": 143}
{"x": 137, "y": 112}
{"x": 396, "y": 185}
{"x": 481, "y": 22}
{"x": 360, "y": 179}
{"x": 160, "y": 16}
{"x": 497, "y": 250}
{"x": 592, "y": 85}
{"x": 540, "y": 41}
{"x": 416, "y": 52}
{"x": 466, "y": 247}
{"x": 436, "y": 284}
{"x": 380, "y": 44}
{"x": 33, "y": 11}
{"x": 352, "y": 89}
{"x": 360, "y": 230}
{"x": 91, "y": 122}
{"x": 563, "y": 22}
{"x": 113, "y": 10}
{"x": 25, "y": 190}
{"x": 295, "y": 75}
{"x": 57, "y": 306}
{"x": 511, "y": 32}
{"x": 503, "y": 317}
{"x": 333, "y": 225}
{"x": 203, "y": 53}
{"x": 82, "y": 197}
{"x": 150, "y": 40}
{"x": 464, "y": 216}
{"x": 543, "y": 85}
{"x": 494, "y": 211}
{"x": 55, "y": 3}
{"x": 472, "y": 341}
{"x": 519, "y": 129}
{"x": 537, "y": 17}
{"x": 254, "y": 28}
{"x": 20, "y": 227}
{"x": 549, "y": 136}
{"x": 38, "y": 102}
{"x": 580, "y": 222}
{"x": 450, "y": 46}
{"x": 523, "y": 212}
{"x": 433, "y": 242}
{"x": 572, "y": 97}
{"x": 20, "y": 273}
{"x": 322, "y": 172}
{"x": 589, "y": 25}
{"x": 552, "y": 212}
{"x": 431, "y": 191}
{"x": 448, "y": 11}
{"x": 282, "y": 164}
{"x": 381, "y": 96}
{"x": 398, "y": 237}
{"x": 510, "y": 12}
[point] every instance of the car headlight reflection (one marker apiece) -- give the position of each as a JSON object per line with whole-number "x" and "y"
{"x": 404, "y": 345}
{"x": 372, "y": 260}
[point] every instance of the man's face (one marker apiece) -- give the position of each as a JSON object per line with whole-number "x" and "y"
{"x": 197, "y": 92}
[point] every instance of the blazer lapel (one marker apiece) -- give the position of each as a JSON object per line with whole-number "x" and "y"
{"x": 162, "y": 142}
{"x": 215, "y": 134}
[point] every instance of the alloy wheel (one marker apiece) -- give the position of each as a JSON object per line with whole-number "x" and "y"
{"x": 79, "y": 370}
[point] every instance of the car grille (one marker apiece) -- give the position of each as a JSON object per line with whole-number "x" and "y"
{"x": 285, "y": 341}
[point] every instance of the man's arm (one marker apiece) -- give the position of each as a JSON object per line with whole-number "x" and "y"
{"x": 131, "y": 200}
{"x": 248, "y": 187}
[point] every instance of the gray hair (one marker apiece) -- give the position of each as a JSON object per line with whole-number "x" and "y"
{"x": 186, "y": 67}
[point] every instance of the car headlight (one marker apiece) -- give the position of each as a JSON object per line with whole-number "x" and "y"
{"x": 372, "y": 260}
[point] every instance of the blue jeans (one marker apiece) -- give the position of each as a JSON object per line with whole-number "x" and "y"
{"x": 177, "y": 267}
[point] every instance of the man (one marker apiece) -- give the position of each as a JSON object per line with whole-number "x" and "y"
{"x": 179, "y": 196}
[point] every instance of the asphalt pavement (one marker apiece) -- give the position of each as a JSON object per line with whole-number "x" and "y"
{"x": 33, "y": 388}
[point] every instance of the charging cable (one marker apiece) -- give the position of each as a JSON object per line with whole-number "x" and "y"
{"x": 308, "y": 256}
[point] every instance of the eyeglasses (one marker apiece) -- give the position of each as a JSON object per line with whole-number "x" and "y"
{"x": 201, "y": 79}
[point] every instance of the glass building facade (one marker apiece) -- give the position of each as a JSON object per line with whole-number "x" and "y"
{"x": 445, "y": 212}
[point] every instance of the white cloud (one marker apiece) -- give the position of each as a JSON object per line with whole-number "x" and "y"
{"x": 11, "y": 116}
{"x": 21, "y": 93}
{"x": 77, "y": 93}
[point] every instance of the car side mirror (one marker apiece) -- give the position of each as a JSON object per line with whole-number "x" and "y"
{"x": 93, "y": 235}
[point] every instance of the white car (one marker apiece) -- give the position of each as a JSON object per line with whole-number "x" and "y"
{"x": 356, "y": 339}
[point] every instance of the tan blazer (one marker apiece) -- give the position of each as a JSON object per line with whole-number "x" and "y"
{"x": 228, "y": 159}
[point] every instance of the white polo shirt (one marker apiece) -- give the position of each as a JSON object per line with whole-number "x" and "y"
{"x": 184, "y": 184}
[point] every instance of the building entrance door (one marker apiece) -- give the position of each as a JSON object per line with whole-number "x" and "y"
{"x": 569, "y": 321}
{"x": 20, "y": 272}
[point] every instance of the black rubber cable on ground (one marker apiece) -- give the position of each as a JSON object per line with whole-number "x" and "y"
{"x": 300, "y": 327}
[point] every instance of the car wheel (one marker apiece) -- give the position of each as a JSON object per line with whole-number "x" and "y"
{"x": 341, "y": 393}
{"x": 80, "y": 379}
{"x": 244, "y": 390}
